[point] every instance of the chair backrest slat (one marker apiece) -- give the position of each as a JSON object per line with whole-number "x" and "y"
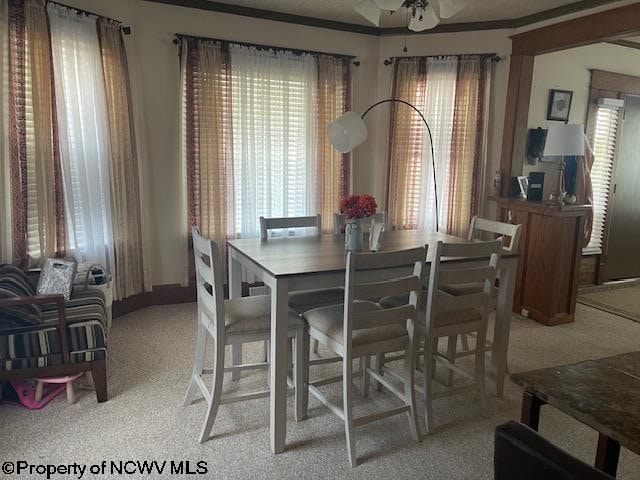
{"x": 388, "y": 288}
{"x": 313, "y": 221}
{"x": 399, "y": 258}
{"x": 339, "y": 222}
{"x": 382, "y": 318}
{"x": 479, "y": 225}
{"x": 457, "y": 276}
{"x": 209, "y": 281}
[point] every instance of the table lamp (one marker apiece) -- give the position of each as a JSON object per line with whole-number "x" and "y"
{"x": 563, "y": 140}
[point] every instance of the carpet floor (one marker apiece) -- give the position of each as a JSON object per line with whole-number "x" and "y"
{"x": 150, "y": 359}
{"x": 620, "y": 299}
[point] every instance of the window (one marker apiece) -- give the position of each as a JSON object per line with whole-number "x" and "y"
{"x": 603, "y": 135}
{"x": 452, "y": 93}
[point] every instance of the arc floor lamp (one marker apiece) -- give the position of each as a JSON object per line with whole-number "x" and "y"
{"x": 349, "y": 131}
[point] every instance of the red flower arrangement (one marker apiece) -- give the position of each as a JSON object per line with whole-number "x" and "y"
{"x": 358, "y": 206}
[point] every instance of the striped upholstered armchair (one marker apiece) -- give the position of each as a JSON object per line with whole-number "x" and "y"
{"x": 46, "y": 336}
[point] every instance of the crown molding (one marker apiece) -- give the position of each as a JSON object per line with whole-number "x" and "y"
{"x": 369, "y": 30}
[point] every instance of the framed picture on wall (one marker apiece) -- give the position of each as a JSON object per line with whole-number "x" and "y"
{"x": 559, "y": 105}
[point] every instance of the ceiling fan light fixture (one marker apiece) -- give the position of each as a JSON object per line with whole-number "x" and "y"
{"x": 389, "y": 5}
{"x": 369, "y": 10}
{"x": 424, "y": 19}
{"x": 449, "y": 8}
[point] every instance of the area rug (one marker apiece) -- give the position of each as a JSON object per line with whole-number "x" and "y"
{"x": 622, "y": 299}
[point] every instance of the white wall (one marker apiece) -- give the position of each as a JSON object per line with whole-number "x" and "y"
{"x": 571, "y": 70}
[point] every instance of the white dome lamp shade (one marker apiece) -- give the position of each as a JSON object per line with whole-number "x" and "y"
{"x": 389, "y": 5}
{"x": 449, "y": 8}
{"x": 347, "y": 132}
{"x": 369, "y": 10}
{"x": 424, "y": 20}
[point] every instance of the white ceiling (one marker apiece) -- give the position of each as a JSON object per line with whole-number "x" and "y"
{"x": 342, "y": 10}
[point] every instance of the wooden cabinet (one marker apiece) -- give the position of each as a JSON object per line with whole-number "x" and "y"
{"x": 550, "y": 253}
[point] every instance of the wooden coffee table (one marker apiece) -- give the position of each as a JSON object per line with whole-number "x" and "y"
{"x": 603, "y": 394}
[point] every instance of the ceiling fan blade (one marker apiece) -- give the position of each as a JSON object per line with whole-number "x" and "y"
{"x": 449, "y": 8}
{"x": 369, "y": 10}
{"x": 390, "y": 5}
{"x": 429, "y": 20}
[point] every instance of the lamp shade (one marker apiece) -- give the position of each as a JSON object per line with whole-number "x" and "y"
{"x": 424, "y": 20}
{"x": 564, "y": 140}
{"x": 347, "y": 132}
{"x": 369, "y": 10}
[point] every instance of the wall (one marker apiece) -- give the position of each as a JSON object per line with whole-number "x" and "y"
{"x": 571, "y": 70}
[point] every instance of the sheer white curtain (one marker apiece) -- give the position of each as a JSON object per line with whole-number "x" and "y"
{"x": 440, "y": 94}
{"x": 84, "y": 134}
{"x": 274, "y": 145}
{"x": 5, "y": 174}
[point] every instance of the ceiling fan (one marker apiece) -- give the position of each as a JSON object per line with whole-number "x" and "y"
{"x": 423, "y": 16}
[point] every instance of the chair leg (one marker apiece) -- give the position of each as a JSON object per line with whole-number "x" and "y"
{"x": 410, "y": 391}
{"x": 429, "y": 362}
{"x": 452, "y": 348}
{"x": 305, "y": 372}
{"x": 299, "y": 368}
{"x": 347, "y": 404}
{"x": 465, "y": 342}
{"x": 216, "y": 393}
{"x": 480, "y": 372}
{"x": 39, "y": 390}
{"x": 71, "y": 396}
{"x": 236, "y": 354}
{"x": 99, "y": 372}
{"x": 201, "y": 346}
{"x": 316, "y": 344}
{"x": 365, "y": 363}
{"x": 380, "y": 359}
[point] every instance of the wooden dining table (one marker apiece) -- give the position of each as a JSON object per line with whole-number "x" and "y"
{"x": 288, "y": 264}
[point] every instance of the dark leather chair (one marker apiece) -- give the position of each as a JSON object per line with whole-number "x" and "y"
{"x": 522, "y": 454}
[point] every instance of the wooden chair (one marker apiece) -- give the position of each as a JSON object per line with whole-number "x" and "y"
{"x": 339, "y": 222}
{"x": 307, "y": 299}
{"x": 510, "y": 235}
{"x": 359, "y": 328}
{"x": 449, "y": 316}
{"x": 232, "y": 322}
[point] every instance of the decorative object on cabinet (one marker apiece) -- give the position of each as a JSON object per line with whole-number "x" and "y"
{"x": 550, "y": 254}
{"x": 535, "y": 186}
{"x": 559, "y": 105}
{"x": 523, "y": 183}
{"x": 535, "y": 145}
{"x": 563, "y": 141}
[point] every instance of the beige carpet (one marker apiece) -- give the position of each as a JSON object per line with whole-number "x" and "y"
{"x": 149, "y": 363}
{"x": 620, "y": 299}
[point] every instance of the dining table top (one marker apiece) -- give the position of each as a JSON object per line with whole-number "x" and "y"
{"x": 300, "y": 255}
{"x": 603, "y": 394}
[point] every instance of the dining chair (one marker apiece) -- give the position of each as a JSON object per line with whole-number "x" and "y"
{"x": 307, "y": 299}
{"x": 359, "y": 328}
{"x": 340, "y": 221}
{"x": 446, "y": 315}
{"x": 510, "y": 235}
{"x": 232, "y": 322}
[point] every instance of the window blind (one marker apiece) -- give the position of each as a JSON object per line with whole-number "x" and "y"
{"x": 603, "y": 134}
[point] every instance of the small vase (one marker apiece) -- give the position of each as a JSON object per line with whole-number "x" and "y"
{"x": 353, "y": 236}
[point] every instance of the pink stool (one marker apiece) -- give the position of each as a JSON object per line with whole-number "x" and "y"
{"x": 68, "y": 381}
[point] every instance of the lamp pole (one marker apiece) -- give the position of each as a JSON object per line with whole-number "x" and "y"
{"x": 433, "y": 157}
